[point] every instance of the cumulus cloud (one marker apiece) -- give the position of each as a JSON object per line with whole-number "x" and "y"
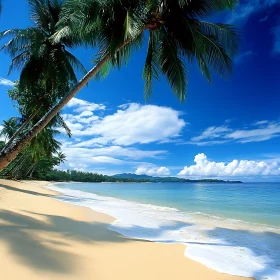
{"x": 90, "y": 158}
{"x": 153, "y": 171}
{"x": 5, "y": 82}
{"x": 258, "y": 131}
{"x": 80, "y": 105}
{"x": 105, "y": 138}
{"x": 235, "y": 168}
{"x": 131, "y": 124}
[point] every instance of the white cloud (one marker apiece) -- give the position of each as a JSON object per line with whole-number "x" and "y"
{"x": 153, "y": 171}
{"x": 131, "y": 124}
{"x": 258, "y": 123}
{"x": 112, "y": 151}
{"x": 6, "y": 82}
{"x": 258, "y": 131}
{"x": 235, "y": 168}
{"x": 80, "y": 105}
{"x": 244, "y": 10}
{"x": 106, "y": 140}
{"x": 88, "y": 159}
{"x": 76, "y": 122}
{"x": 106, "y": 159}
{"x": 242, "y": 56}
{"x": 211, "y": 133}
{"x": 206, "y": 143}
{"x": 276, "y": 34}
{"x": 264, "y": 132}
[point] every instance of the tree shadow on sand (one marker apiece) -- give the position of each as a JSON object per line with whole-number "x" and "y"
{"x": 21, "y": 233}
{"x": 9, "y": 188}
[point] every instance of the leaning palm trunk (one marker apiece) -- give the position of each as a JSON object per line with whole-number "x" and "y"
{"x": 9, "y": 154}
{"x": 8, "y": 171}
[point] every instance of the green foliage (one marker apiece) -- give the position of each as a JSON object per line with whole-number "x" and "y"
{"x": 26, "y": 167}
{"x": 177, "y": 35}
{"x": 79, "y": 176}
{"x": 168, "y": 179}
{"x": 42, "y": 154}
{"x": 42, "y": 62}
{"x": 9, "y": 127}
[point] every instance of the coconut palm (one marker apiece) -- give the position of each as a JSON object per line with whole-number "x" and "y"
{"x": 37, "y": 56}
{"x": 32, "y": 106}
{"x": 10, "y": 126}
{"x": 43, "y": 150}
{"x": 177, "y": 36}
{"x": 51, "y": 65}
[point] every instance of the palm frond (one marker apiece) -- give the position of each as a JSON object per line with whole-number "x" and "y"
{"x": 172, "y": 66}
{"x": 226, "y": 34}
{"x": 75, "y": 63}
{"x": 151, "y": 68}
{"x": 62, "y": 123}
{"x": 104, "y": 71}
{"x": 203, "y": 8}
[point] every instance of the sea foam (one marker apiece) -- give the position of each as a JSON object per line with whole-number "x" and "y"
{"x": 229, "y": 246}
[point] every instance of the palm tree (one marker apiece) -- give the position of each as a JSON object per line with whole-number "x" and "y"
{"x": 43, "y": 150}
{"x": 51, "y": 64}
{"x": 32, "y": 106}
{"x": 37, "y": 56}
{"x": 9, "y": 128}
{"x": 177, "y": 35}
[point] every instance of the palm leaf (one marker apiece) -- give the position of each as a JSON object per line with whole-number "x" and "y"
{"x": 151, "y": 67}
{"x": 75, "y": 63}
{"x": 172, "y": 65}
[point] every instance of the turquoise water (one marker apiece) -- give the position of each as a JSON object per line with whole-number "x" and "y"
{"x": 251, "y": 202}
{"x": 231, "y": 228}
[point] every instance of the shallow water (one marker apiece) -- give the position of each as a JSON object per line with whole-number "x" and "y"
{"x": 232, "y": 228}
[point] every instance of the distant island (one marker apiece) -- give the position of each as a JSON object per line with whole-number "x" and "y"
{"x": 169, "y": 179}
{"x": 80, "y": 176}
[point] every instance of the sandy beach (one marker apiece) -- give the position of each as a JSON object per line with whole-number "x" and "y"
{"x": 43, "y": 238}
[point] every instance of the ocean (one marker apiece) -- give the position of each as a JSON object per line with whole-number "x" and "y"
{"x": 231, "y": 228}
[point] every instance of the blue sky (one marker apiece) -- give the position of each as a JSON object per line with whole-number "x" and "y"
{"x": 228, "y": 129}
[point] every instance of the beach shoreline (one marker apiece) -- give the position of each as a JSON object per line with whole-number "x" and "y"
{"x": 40, "y": 235}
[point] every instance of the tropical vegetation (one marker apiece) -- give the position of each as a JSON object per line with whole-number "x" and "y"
{"x": 174, "y": 30}
{"x": 80, "y": 176}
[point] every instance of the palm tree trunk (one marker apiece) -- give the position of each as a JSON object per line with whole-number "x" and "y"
{"x": 30, "y": 171}
{"x": 20, "y": 130}
{"x": 16, "y": 164}
{"x": 9, "y": 154}
{"x": 18, "y": 170}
